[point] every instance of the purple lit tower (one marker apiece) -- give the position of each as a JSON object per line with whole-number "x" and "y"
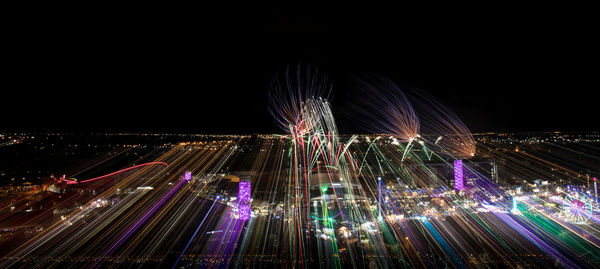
{"x": 458, "y": 175}
{"x": 244, "y": 200}
{"x": 380, "y": 218}
{"x": 187, "y": 176}
{"x": 596, "y": 190}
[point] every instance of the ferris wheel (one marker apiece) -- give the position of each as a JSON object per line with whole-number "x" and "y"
{"x": 577, "y": 207}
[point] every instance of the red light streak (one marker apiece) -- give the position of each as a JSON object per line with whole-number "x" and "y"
{"x": 74, "y": 181}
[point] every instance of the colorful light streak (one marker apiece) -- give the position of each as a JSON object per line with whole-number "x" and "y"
{"x": 141, "y": 221}
{"x": 75, "y": 181}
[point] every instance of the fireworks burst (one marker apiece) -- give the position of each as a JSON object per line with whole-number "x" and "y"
{"x": 384, "y": 108}
{"x": 442, "y": 125}
{"x": 291, "y": 91}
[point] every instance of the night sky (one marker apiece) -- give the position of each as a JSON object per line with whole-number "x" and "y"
{"x": 207, "y": 70}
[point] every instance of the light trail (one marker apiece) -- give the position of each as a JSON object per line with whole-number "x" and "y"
{"x": 194, "y": 235}
{"x": 75, "y": 181}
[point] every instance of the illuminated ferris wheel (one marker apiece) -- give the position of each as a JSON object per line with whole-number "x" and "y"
{"x": 577, "y": 207}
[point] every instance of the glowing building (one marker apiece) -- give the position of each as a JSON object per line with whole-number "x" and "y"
{"x": 244, "y": 200}
{"x": 458, "y": 175}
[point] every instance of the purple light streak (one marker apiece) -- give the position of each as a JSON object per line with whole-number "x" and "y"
{"x": 140, "y": 221}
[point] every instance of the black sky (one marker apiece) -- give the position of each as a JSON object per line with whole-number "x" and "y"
{"x": 207, "y": 70}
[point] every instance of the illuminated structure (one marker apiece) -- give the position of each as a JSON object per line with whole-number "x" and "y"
{"x": 596, "y": 192}
{"x": 379, "y": 218}
{"x": 244, "y": 200}
{"x": 187, "y": 176}
{"x": 577, "y": 207}
{"x": 494, "y": 172}
{"x": 458, "y": 175}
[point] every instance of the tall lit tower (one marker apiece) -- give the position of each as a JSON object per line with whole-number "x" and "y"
{"x": 379, "y": 218}
{"x": 458, "y": 175}
{"x": 494, "y": 172}
{"x": 596, "y": 191}
{"x": 244, "y": 200}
